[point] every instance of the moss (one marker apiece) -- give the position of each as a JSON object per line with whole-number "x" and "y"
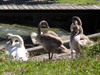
{"x": 18, "y": 25}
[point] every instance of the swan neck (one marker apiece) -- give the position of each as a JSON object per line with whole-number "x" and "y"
{"x": 20, "y": 40}
{"x": 73, "y": 34}
{"x": 81, "y": 30}
{"x": 79, "y": 21}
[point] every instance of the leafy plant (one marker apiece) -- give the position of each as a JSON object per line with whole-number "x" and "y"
{"x": 77, "y": 1}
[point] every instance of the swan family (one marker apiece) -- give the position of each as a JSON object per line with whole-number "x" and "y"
{"x": 49, "y": 41}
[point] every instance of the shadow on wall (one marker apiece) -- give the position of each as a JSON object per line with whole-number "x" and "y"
{"x": 90, "y": 23}
{"x": 27, "y": 2}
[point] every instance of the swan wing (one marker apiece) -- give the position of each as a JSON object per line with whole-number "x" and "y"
{"x": 51, "y": 39}
{"x": 51, "y": 33}
{"x": 20, "y": 53}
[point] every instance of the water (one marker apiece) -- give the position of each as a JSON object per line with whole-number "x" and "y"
{"x": 24, "y": 31}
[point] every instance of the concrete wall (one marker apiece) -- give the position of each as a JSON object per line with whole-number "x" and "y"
{"x": 60, "y": 19}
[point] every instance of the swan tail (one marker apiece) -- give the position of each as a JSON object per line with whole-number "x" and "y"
{"x": 63, "y": 49}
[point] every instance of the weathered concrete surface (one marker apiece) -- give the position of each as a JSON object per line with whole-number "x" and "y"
{"x": 44, "y": 57}
{"x": 65, "y": 40}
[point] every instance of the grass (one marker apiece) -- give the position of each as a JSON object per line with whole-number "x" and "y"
{"x": 88, "y": 63}
{"x": 78, "y": 1}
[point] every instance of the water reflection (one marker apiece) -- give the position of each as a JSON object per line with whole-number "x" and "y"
{"x": 23, "y": 31}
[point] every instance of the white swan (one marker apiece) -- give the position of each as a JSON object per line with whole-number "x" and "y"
{"x": 16, "y": 49}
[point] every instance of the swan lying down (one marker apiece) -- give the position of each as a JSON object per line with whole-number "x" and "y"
{"x": 16, "y": 49}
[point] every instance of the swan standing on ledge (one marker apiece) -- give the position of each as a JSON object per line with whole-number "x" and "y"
{"x": 50, "y": 41}
{"x": 16, "y": 49}
{"x": 77, "y": 38}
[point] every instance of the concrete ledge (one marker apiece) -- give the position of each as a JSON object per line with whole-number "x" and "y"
{"x": 39, "y": 49}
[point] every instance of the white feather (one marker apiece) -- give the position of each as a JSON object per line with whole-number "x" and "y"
{"x": 17, "y": 49}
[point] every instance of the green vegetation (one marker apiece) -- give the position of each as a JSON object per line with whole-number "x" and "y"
{"x": 78, "y": 1}
{"x": 29, "y": 27}
{"x": 88, "y": 63}
{"x": 18, "y": 25}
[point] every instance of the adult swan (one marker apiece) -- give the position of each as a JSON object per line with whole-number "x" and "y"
{"x": 16, "y": 49}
